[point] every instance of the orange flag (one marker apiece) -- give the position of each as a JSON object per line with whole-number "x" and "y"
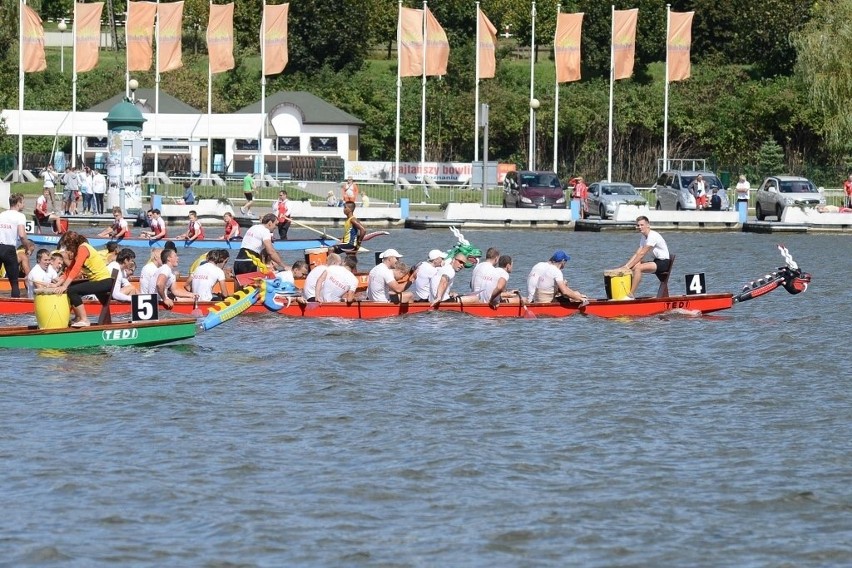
{"x": 140, "y": 35}
{"x": 87, "y": 34}
{"x": 170, "y": 22}
{"x": 566, "y": 47}
{"x": 33, "y": 42}
{"x": 678, "y": 44}
{"x": 437, "y": 47}
{"x": 624, "y": 42}
{"x": 220, "y": 37}
{"x": 486, "y": 43}
{"x": 410, "y": 42}
{"x": 275, "y": 38}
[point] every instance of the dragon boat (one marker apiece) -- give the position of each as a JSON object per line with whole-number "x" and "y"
{"x": 52, "y": 241}
{"x": 113, "y": 334}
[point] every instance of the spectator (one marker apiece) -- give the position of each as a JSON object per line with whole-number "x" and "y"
{"x": 743, "y": 187}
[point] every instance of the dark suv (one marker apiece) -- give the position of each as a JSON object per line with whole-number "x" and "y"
{"x": 541, "y": 190}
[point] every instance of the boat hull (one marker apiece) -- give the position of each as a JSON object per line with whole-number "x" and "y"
{"x": 201, "y": 244}
{"x": 115, "y": 334}
{"x": 378, "y": 310}
{"x": 644, "y": 307}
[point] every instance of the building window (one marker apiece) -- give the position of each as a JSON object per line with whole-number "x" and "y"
{"x": 288, "y": 144}
{"x": 323, "y": 144}
{"x": 245, "y": 144}
{"x": 93, "y": 142}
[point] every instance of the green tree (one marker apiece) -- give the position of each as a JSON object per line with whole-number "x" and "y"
{"x": 770, "y": 158}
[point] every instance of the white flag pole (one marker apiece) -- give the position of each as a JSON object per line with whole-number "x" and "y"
{"x": 476, "y": 93}
{"x": 398, "y": 92}
{"x": 209, "y": 101}
{"x": 531, "y": 157}
{"x": 666, "y": 95}
{"x": 423, "y": 107}
{"x": 556, "y": 101}
{"x": 262, "y": 94}
{"x": 611, "y": 80}
{"x": 74, "y": 94}
{"x": 157, "y": 97}
{"x": 126, "y": 55}
{"x": 21, "y": 91}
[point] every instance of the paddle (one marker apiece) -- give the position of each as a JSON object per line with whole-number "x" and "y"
{"x": 196, "y": 312}
{"x": 527, "y": 313}
{"x": 317, "y": 231}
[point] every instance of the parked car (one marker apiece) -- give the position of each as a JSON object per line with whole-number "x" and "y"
{"x": 672, "y": 190}
{"x": 778, "y": 192}
{"x": 604, "y": 197}
{"x": 536, "y": 189}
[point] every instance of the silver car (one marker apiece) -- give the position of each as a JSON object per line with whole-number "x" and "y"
{"x": 604, "y": 197}
{"x": 779, "y": 192}
{"x": 672, "y": 190}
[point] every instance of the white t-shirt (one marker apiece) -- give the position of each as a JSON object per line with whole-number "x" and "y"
{"x": 148, "y": 279}
{"x": 421, "y": 287}
{"x": 377, "y": 283}
{"x": 49, "y": 179}
{"x": 490, "y": 283}
{"x": 166, "y": 271}
{"x": 10, "y": 220}
{"x": 480, "y": 273}
{"x": 338, "y": 281}
{"x": 120, "y": 282}
{"x": 37, "y": 274}
{"x": 655, "y": 240}
{"x": 310, "y": 289}
{"x": 743, "y": 188}
{"x": 204, "y": 279}
{"x": 286, "y": 276}
{"x": 445, "y": 270}
{"x": 99, "y": 183}
{"x": 541, "y": 284}
{"x": 254, "y": 237}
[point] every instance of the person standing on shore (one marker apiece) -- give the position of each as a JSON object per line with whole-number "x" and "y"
{"x": 847, "y": 187}
{"x": 743, "y": 187}
{"x": 248, "y": 192}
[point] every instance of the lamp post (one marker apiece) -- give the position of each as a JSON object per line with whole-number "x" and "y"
{"x": 133, "y": 84}
{"x": 62, "y": 27}
{"x": 534, "y": 104}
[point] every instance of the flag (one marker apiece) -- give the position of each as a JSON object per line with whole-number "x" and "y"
{"x": 169, "y": 35}
{"x": 437, "y": 47}
{"x": 87, "y": 35}
{"x": 410, "y": 42}
{"x": 623, "y": 42}
{"x": 566, "y": 47}
{"x": 32, "y": 43}
{"x": 486, "y": 43}
{"x": 140, "y": 35}
{"x": 220, "y": 37}
{"x": 678, "y": 44}
{"x": 275, "y": 52}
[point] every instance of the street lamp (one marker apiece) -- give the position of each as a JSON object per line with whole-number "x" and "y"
{"x": 133, "y": 84}
{"x": 534, "y": 104}
{"x": 62, "y": 27}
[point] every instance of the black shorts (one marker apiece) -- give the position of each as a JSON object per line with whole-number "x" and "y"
{"x": 249, "y": 196}
{"x": 663, "y": 265}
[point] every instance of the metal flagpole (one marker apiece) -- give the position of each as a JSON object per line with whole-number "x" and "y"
{"x": 531, "y": 157}
{"x": 74, "y": 94}
{"x": 262, "y": 95}
{"x": 21, "y": 91}
{"x": 157, "y": 98}
{"x": 611, "y": 80}
{"x": 126, "y": 55}
{"x": 209, "y": 104}
{"x": 398, "y": 92}
{"x": 476, "y": 93}
{"x": 423, "y": 108}
{"x": 666, "y": 95}
{"x": 556, "y": 104}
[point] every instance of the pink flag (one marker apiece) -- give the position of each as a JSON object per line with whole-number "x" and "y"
{"x": 275, "y": 38}
{"x": 486, "y": 43}
{"x": 87, "y": 34}
{"x": 140, "y": 35}
{"x": 437, "y": 47}
{"x": 220, "y": 37}
{"x": 169, "y": 36}
{"x": 33, "y": 42}
{"x": 410, "y": 42}
{"x": 566, "y": 47}
{"x": 624, "y": 42}
{"x": 678, "y": 44}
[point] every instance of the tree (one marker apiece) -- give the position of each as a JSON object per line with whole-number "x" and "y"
{"x": 770, "y": 158}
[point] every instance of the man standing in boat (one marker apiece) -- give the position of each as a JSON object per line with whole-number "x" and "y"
{"x": 353, "y": 231}
{"x": 281, "y": 208}
{"x": 256, "y": 239}
{"x": 651, "y": 241}
{"x": 12, "y": 234}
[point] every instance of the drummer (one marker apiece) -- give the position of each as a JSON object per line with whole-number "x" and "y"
{"x": 85, "y": 261}
{"x": 650, "y": 242}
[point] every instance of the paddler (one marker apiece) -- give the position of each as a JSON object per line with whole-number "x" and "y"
{"x": 256, "y": 239}
{"x": 353, "y": 231}
{"x": 87, "y": 261}
{"x": 650, "y": 241}
{"x": 546, "y": 279}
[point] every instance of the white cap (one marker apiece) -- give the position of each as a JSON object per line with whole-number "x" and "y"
{"x": 390, "y": 252}
{"x": 435, "y": 254}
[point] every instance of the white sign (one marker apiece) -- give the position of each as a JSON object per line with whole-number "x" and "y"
{"x": 441, "y": 172}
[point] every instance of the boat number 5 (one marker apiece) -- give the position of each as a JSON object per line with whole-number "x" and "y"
{"x": 695, "y": 284}
{"x": 144, "y": 307}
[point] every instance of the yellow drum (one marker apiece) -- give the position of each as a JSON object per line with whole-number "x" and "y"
{"x": 52, "y": 310}
{"x": 618, "y": 283}
{"x": 316, "y": 256}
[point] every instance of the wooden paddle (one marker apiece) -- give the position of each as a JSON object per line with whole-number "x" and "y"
{"x": 325, "y": 235}
{"x": 196, "y": 312}
{"x": 527, "y": 313}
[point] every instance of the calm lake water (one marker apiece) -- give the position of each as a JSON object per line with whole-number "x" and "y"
{"x": 446, "y": 440}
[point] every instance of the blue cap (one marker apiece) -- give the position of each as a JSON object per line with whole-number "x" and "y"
{"x": 559, "y": 256}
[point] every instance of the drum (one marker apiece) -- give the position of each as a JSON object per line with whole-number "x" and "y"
{"x": 617, "y": 283}
{"x": 316, "y": 256}
{"x": 52, "y": 310}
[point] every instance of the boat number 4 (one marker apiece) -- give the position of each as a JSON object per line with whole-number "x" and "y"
{"x": 144, "y": 307}
{"x": 695, "y": 284}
